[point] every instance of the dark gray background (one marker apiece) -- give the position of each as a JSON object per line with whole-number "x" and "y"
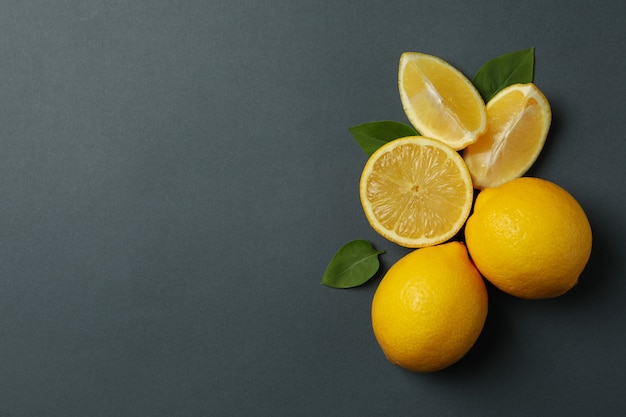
{"x": 176, "y": 175}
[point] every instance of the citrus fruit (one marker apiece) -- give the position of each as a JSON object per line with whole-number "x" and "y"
{"x": 439, "y": 101}
{"x": 518, "y": 120}
{"x": 430, "y": 308}
{"x": 416, "y": 191}
{"x": 529, "y": 237}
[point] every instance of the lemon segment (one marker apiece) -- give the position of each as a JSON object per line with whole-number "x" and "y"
{"x": 518, "y": 120}
{"x": 439, "y": 101}
{"x": 416, "y": 191}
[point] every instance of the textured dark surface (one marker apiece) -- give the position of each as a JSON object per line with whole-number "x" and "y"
{"x": 175, "y": 176}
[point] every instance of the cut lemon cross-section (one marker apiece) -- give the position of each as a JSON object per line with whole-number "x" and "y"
{"x": 518, "y": 120}
{"x": 439, "y": 101}
{"x": 416, "y": 191}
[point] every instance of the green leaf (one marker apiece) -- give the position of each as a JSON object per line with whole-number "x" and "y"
{"x": 353, "y": 265}
{"x": 498, "y": 73}
{"x": 373, "y": 135}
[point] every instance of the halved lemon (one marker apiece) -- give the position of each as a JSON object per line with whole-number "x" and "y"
{"x": 518, "y": 120}
{"x": 439, "y": 101}
{"x": 416, "y": 191}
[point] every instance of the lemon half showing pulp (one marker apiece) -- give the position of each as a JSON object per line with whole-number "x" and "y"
{"x": 416, "y": 191}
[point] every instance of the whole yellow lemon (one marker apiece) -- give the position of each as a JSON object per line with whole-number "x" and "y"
{"x": 529, "y": 237}
{"x": 430, "y": 308}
